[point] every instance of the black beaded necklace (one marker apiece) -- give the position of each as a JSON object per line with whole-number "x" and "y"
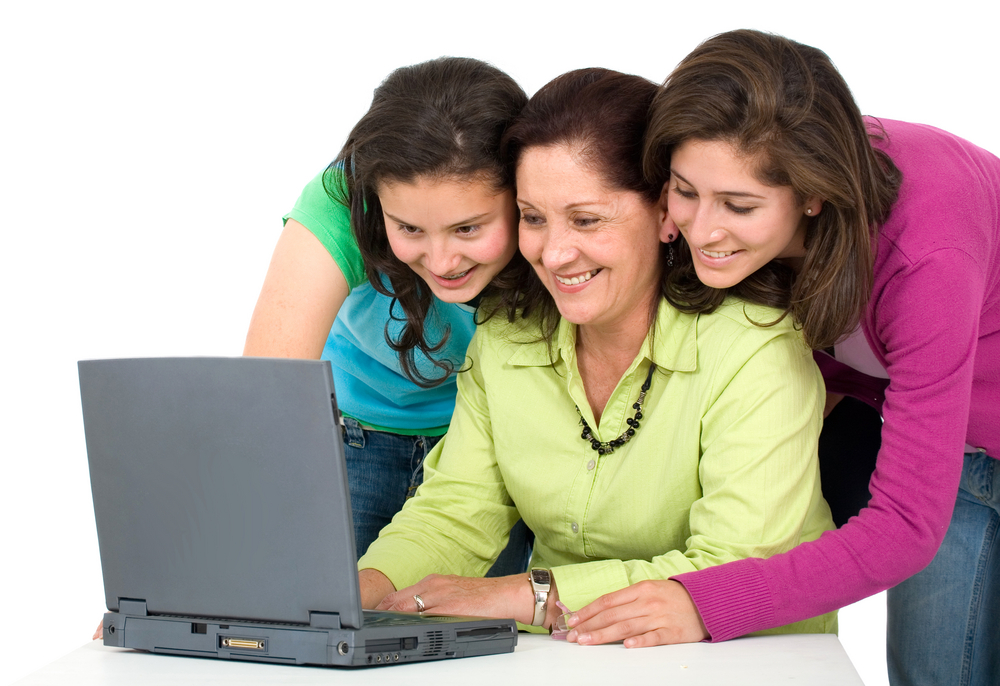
{"x": 608, "y": 447}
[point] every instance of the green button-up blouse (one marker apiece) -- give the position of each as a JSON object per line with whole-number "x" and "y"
{"x": 723, "y": 466}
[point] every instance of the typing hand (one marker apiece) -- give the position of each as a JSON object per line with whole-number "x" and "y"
{"x": 508, "y": 596}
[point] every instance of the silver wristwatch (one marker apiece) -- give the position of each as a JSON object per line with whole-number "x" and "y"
{"x": 541, "y": 582}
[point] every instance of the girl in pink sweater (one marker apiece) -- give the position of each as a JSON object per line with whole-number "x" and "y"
{"x": 882, "y": 240}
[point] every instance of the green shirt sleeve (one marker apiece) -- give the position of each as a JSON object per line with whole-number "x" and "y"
{"x": 330, "y": 221}
{"x": 462, "y": 515}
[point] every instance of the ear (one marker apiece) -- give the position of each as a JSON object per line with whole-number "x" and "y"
{"x": 813, "y": 206}
{"x": 668, "y": 230}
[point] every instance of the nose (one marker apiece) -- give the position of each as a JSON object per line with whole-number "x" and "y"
{"x": 703, "y": 226}
{"x": 442, "y": 258}
{"x": 559, "y": 248}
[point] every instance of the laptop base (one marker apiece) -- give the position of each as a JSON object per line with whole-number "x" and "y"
{"x": 307, "y": 645}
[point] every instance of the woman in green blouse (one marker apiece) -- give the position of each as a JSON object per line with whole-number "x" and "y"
{"x": 636, "y": 441}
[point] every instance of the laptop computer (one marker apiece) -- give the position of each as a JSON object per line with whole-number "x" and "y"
{"x": 224, "y": 519}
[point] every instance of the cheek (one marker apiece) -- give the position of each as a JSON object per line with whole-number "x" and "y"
{"x": 531, "y": 244}
{"x": 498, "y": 246}
{"x": 404, "y": 249}
{"x": 677, "y": 211}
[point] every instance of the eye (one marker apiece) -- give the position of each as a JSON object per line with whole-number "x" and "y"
{"x": 531, "y": 218}
{"x": 585, "y": 221}
{"x": 738, "y": 209}
{"x": 683, "y": 193}
{"x": 408, "y": 230}
{"x": 467, "y": 230}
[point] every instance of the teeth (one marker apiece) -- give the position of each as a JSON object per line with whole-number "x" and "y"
{"x": 577, "y": 279}
{"x": 456, "y": 276}
{"x": 717, "y": 254}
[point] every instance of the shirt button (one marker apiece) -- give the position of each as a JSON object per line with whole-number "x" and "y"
{"x": 591, "y": 465}
{"x": 574, "y": 527}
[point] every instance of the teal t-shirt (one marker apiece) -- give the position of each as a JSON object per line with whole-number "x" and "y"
{"x": 371, "y": 386}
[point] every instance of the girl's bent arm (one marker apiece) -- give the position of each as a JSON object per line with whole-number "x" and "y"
{"x": 303, "y": 291}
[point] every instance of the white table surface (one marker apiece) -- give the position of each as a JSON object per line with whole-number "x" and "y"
{"x": 814, "y": 659}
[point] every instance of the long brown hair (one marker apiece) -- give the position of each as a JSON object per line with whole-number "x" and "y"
{"x": 601, "y": 113}
{"x": 784, "y": 105}
{"x": 442, "y": 118}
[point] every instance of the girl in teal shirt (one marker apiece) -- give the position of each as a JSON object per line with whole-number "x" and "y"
{"x": 382, "y": 261}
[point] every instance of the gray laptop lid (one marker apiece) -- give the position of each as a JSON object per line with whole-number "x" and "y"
{"x": 219, "y": 487}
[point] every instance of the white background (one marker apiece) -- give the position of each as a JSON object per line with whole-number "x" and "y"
{"x": 148, "y": 151}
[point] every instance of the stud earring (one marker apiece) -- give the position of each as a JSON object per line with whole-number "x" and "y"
{"x": 809, "y": 211}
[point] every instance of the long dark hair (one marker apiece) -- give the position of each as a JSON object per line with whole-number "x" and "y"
{"x": 443, "y": 118}
{"x": 784, "y": 105}
{"x": 602, "y": 114}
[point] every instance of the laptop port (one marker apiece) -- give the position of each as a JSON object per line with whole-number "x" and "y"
{"x": 241, "y": 643}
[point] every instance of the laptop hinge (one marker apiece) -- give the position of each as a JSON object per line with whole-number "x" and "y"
{"x": 324, "y": 620}
{"x": 131, "y": 606}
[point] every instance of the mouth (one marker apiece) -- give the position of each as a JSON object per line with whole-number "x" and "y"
{"x": 717, "y": 254}
{"x": 455, "y": 277}
{"x": 453, "y": 281}
{"x": 579, "y": 278}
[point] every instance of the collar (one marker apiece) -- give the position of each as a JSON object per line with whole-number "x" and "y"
{"x": 673, "y": 345}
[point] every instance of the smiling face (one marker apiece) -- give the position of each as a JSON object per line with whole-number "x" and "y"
{"x": 595, "y": 248}
{"x": 732, "y": 222}
{"x": 456, "y": 234}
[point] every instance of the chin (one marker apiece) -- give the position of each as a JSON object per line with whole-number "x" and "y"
{"x": 717, "y": 280}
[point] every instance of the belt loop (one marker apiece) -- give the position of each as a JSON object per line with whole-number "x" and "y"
{"x": 353, "y": 433}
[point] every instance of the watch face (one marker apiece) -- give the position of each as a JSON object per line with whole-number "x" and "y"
{"x": 540, "y": 576}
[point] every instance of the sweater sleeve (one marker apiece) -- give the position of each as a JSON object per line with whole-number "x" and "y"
{"x": 925, "y": 323}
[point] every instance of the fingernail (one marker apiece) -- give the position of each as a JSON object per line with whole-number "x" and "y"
{"x": 571, "y": 636}
{"x": 572, "y": 619}
{"x": 583, "y": 639}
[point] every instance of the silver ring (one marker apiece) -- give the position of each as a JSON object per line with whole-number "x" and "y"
{"x": 420, "y": 603}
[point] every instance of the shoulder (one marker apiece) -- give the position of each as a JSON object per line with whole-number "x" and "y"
{"x": 520, "y": 341}
{"x": 330, "y": 221}
{"x": 739, "y": 319}
{"x": 946, "y": 210}
{"x": 752, "y": 341}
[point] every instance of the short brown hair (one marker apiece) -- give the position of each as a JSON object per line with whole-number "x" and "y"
{"x": 603, "y": 115}
{"x": 784, "y": 105}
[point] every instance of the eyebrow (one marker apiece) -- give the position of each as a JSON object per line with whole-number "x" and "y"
{"x": 571, "y": 206}
{"x": 734, "y": 194}
{"x": 465, "y": 222}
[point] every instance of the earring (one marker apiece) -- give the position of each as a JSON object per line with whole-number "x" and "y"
{"x": 670, "y": 254}
{"x": 809, "y": 211}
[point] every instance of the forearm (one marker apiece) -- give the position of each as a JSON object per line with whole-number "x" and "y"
{"x": 375, "y": 586}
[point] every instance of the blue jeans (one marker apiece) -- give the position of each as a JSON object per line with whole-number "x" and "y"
{"x": 384, "y": 469}
{"x": 944, "y": 622}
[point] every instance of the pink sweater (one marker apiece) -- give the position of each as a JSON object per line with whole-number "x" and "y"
{"x": 934, "y": 323}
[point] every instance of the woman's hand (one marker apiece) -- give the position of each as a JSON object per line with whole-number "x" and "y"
{"x": 99, "y": 632}
{"x": 648, "y": 613}
{"x": 507, "y": 596}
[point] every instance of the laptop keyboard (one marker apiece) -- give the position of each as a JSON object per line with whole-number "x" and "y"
{"x": 385, "y": 618}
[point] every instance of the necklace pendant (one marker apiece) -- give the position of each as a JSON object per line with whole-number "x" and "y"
{"x": 608, "y": 447}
